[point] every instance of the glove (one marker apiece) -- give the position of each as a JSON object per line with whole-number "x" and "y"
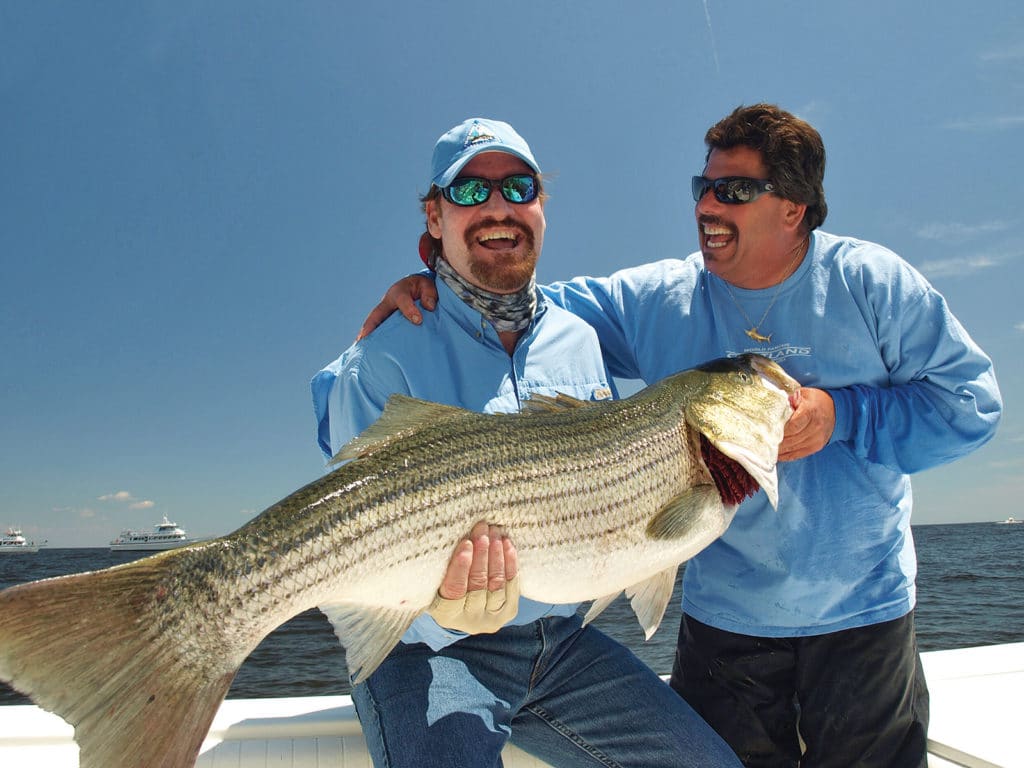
{"x": 480, "y": 611}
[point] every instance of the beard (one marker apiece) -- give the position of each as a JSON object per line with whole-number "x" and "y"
{"x": 500, "y": 271}
{"x": 506, "y": 273}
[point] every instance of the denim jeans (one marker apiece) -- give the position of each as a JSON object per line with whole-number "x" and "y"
{"x": 567, "y": 694}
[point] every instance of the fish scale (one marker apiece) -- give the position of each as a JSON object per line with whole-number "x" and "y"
{"x": 598, "y": 498}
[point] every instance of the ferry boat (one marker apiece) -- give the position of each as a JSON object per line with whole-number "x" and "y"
{"x": 13, "y": 542}
{"x": 164, "y": 535}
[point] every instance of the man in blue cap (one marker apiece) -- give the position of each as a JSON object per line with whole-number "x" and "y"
{"x": 474, "y": 673}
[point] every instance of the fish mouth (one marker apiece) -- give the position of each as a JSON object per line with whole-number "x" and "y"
{"x": 752, "y": 403}
{"x": 769, "y": 371}
{"x": 773, "y": 373}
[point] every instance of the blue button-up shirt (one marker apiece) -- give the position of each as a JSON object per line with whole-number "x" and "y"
{"x": 455, "y": 357}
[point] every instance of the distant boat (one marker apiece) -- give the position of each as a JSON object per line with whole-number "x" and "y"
{"x": 13, "y": 543}
{"x": 164, "y": 535}
{"x": 1010, "y": 521}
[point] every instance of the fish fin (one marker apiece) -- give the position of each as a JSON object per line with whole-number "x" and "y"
{"x": 650, "y": 598}
{"x": 546, "y": 404}
{"x": 368, "y": 633}
{"x": 93, "y": 649}
{"x": 599, "y": 605}
{"x": 402, "y": 416}
{"x": 686, "y": 512}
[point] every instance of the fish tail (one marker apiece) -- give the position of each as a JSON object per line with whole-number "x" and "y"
{"x": 95, "y": 649}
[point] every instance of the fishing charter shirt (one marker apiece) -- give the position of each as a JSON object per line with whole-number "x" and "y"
{"x": 911, "y": 389}
{"x": 455, "y": 357}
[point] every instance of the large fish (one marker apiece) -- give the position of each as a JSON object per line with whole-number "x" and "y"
{"x": 598, "y": 498}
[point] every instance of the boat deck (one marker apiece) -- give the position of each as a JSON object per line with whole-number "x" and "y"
{"x": 975, "y": 704}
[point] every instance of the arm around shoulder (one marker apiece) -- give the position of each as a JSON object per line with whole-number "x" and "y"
{"x": 403, "y": 296}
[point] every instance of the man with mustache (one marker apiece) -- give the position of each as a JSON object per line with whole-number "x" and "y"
{"x": 797, "y": 640}
{"x": 443, "y": 697}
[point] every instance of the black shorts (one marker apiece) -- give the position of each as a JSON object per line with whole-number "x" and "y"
{"x": 857, "y": 697}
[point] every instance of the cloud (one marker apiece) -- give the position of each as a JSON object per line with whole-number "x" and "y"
{"x": 962, "y": 265}
{"x": 125, "y": 497}
{"x": 86, "y": 513}
{"x": 1011, "y": 53}
{"x": 945, "y": 230}
{"x": 813, "y": 112}
{"x": 1019, "y": 327}
{"x": 953, "y": 233}
{"x": 979, "y": 124}
{"x": 1011, "y": 463}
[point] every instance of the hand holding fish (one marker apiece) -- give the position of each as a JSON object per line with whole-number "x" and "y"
{"x": 810, "y": 427}
{"x": 480, "y": 591}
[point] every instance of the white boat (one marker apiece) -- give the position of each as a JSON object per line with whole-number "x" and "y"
{"x": 12, "y": 543}
{"x": 164, "y": 535}
{"x": 975, "y": 694}
{"x": 1010, "y": 521}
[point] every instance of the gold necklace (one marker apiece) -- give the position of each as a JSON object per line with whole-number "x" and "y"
{"x": 752, "y": 331}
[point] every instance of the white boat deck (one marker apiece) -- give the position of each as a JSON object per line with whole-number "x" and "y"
{"x": 975, "y": 713}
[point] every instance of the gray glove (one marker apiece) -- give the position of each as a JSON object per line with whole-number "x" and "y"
{"x": 480, "y": 611}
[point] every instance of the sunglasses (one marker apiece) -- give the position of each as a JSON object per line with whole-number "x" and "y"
{"x": 731, "y": 190}
{"x": 518, "y": 188}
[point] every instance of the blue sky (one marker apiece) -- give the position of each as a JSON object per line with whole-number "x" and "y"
{"x": 199, "y": 202}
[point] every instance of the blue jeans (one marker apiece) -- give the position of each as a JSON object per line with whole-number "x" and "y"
{"x": 567, "y": 694}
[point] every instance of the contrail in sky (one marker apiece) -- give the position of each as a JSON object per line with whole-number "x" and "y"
{"x": 714, "y": 48}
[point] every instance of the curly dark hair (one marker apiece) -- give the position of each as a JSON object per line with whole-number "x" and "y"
{"x": 792, "y": 149}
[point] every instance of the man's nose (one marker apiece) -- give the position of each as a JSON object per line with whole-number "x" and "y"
{"x": 708, "y": 204}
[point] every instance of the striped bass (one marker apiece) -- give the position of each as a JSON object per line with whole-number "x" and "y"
{"x": 597, "y": 497}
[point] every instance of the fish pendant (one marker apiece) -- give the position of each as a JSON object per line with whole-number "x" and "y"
{"x": 752, "y": 333}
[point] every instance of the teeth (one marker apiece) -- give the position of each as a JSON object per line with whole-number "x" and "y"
{"x": 712, "y": 230}
{"x": 498, "y": 236}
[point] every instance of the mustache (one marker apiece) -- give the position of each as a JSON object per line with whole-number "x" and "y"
{"x": 507, "y": 223}
{"x": 715, "y": 221}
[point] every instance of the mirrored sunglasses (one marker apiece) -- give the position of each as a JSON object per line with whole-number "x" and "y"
{"x": 470, "y": 190}
{"x": 731, "y": 190}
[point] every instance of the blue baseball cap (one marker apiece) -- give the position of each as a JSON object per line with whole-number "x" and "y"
{"x": 468, "y": 139}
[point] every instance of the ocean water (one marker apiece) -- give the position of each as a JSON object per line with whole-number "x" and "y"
{"x": 970, "y": 592}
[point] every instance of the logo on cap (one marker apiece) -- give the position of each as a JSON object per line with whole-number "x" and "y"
{"x": 477, "y": 135}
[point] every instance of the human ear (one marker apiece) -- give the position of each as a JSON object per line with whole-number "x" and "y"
{"x": 793, "y": 214}
{"x": 433, "y": 210}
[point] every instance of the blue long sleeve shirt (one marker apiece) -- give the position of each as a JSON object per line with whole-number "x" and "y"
{"x": 911, "y": 391}
{"x": 455, "y": 357}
